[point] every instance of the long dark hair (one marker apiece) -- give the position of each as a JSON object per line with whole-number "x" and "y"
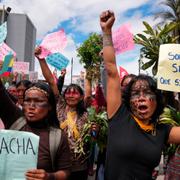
{"x": 52, "y": 117}
{"x": 80, "y": 108}
{"x": 153, "y": 86}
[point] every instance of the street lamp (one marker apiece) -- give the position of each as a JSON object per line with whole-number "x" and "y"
{"x": 5, "y": 13}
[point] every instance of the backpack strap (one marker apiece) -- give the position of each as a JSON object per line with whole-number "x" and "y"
{"x": 54, "y": 142}
{"x": 18, "y": 124}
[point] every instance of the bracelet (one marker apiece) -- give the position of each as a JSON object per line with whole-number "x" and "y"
{"x": 107, "y": 40}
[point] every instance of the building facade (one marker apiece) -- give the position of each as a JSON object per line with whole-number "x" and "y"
{"x": 21, "y": 36}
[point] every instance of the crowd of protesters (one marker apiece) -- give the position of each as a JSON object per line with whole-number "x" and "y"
{"x": 135, "y": 139}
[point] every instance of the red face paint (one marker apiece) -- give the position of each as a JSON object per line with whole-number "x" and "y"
{"x": 72, "y": 93}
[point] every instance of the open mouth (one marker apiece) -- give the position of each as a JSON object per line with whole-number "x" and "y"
{"x": 142, "y": 108}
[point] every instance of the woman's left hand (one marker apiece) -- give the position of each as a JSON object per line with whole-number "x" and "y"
{"x": 36, "y": 174}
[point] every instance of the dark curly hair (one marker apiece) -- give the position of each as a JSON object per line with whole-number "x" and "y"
{"x": 153, "y": 86}
{"x": 80, "y": 108}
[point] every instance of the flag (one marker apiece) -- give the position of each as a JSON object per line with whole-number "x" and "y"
{"x": 122, "y": 72}
{"x": 7, "y": 65}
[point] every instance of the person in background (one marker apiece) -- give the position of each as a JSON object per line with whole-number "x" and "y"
{"x": 98, "y": 102}
{"x": 12, "y": 90}
{"x": 72, "y": 116}
{"x": 135, "y": 138}
{"x": 125, "y": 81}
{"x": 171, "y": 163}
{"x": 21, "y": 86}
{"x": 39, "y": 111}
{"x": 60, "y": 81}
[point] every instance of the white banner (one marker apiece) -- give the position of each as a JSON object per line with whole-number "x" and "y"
{"x": 169, "y": 67}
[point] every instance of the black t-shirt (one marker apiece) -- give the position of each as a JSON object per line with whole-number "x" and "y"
{"x": 132, "y": 153}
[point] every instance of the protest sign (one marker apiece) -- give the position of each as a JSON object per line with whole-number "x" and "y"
{"x": 169, "y": 67}
{"x": 33, "y": 76}
{"x": 122, "y": 39}
{"x": 4, "y": 50}
{"x": 55, "y": 42}
{"x": 21, "y": 67}
{"x": 44, "y": 53}
{"x": 18, "y": 153}
{"x": 3, "y": 32}
{"x": 57, "y": 60}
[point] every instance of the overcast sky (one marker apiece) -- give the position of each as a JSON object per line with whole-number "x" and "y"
{"x": 80, "y": 17}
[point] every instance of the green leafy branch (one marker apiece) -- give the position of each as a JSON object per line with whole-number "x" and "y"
{"x": 100, "y": 119}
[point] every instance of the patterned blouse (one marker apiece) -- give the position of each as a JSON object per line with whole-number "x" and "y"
{"x": 72, "y": 126}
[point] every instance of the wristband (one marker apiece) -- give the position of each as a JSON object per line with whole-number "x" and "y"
{"x": 107, "y": 40}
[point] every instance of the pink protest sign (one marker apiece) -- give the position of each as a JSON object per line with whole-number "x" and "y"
{"x": 44, "y": 53}
{"x": 21, "y": 67}
{"x": 55, "y": 42}
{"x": 4, "y": 50}
{"x": 122, "y": 39}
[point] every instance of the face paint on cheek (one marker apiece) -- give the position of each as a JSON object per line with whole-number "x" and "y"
{"x": 42, "y": 105}
{"x": 36, "y": 104}
{"x": 134, "y": 105}
{"x": 151, "y": 97}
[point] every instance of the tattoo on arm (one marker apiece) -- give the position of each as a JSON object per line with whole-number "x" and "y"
{"x": 107, "y": 40}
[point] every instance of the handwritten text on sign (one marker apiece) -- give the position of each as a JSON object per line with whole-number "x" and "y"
{"x": 122, "y": 39}
{"x": 169, "y": 67}
{"x": 18, "y": 153}
{"x": 21, "y": 67}
{"x": 55, "y": 42}
{"x": 57, "y": 60}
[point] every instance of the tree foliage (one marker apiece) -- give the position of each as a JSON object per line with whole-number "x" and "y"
{"x": 88, "y": 53}
{"x": 172, "y": 117}
{"x": 171, "y": 13}
{"x": 151, "y": 41}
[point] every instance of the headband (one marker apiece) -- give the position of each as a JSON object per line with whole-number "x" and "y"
{"x": 38, "y": 89}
